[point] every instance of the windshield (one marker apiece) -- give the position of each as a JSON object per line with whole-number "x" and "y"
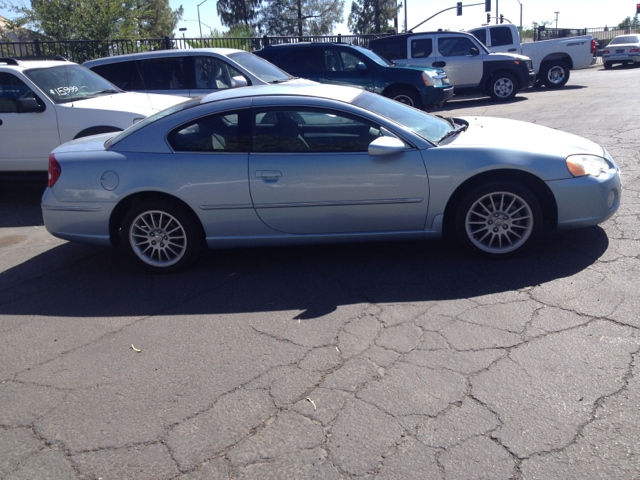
{"x": 188, "y": 103}
{"x": 419, "y": 122}
{"x": 374, "y": 56}
{"x": 69, "y": 83}
{"x": 260, "y": 68}
{"x": 625, "y": 40}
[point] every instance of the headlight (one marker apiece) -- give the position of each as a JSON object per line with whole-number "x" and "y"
{"x": 581, "y": 165}
{"x": 432, "y": 79}
{"x": 529, "y": 65}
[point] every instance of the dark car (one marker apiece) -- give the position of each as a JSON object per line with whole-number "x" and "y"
{"x": 342, "y": 64}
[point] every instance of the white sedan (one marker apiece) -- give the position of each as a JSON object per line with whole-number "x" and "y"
{"x": 622, "y": 49}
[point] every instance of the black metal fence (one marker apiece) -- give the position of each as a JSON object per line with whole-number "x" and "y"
{"x": 80, "y": 51}
{"x": 602, "y": 35}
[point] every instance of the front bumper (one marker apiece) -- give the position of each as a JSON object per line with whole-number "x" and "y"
{"x": 586, "y": 201}
{"x": 436, "y": 96}
{"x": 531, "y": 79}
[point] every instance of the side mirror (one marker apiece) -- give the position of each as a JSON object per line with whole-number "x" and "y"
{"x": 239, "y": 81}
{"x": 28, "y": 105}
{"x": 386, "y": 146}
{"x": 474, "y": 51}
{"x": 360, "y": 66}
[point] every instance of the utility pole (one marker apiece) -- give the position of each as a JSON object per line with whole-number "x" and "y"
{"x": 556, "y": 19}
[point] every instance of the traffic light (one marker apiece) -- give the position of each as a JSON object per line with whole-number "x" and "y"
{"x": 459, "y": 8}
{"x": 638, "y": 9}
{"x": 488, "y": 18}
{"x": 487, "y": 5}
{"x": 501, "y": 18}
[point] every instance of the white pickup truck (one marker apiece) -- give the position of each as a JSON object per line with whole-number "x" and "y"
{"x": 552, "y": 59}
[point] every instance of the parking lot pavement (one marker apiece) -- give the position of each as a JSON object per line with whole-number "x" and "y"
{"x": 393, "y": 361}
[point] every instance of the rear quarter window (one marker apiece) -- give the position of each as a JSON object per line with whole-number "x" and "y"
{"x": 391, "y": 48}
{"x": 501, "y": 36}
{"x": 123, "y": 75}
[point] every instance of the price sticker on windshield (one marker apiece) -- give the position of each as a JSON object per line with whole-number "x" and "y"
{"x": 63, "y": 91}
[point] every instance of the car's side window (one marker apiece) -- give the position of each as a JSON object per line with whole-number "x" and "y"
{"x": 422, "y": 47}
{"x": 301, "y": 61}
{"x": 310, "y": 131}
{"x": 163, "y": 73}
{"x": 480, "y": 34}
{"x": 501, "y": 36}
{"x": 455, "y": 46}
{"x": 12, "y": 88}
{"x": 350, "y": 61}
{"x": 123, "y": 75}
{"x": 212, "y": 73}
{"x": 217, "y": 133}
{"x": 332, "y": 61}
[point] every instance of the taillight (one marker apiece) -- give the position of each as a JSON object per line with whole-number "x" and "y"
{"x": 54, "y": 170}
{"x": 593, "y": 46}
{"x": 606, "y": 51}
{"x": 634, "y": 50}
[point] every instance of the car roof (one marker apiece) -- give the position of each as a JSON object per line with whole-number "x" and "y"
{"x": 413, "y": 34}
{"x": 316, "y": 90}
{"x": 163, "y": 53}
{"x": 23, "y": 64}
{"x": 312, "y": 44}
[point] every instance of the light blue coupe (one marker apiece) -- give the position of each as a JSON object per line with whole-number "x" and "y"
{"x": 309, "y": 163}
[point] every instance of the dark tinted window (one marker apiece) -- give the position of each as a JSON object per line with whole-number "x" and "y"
{"x": 302, "y": 60}
{"x": 310, "y": 131}
{"x": 268, "y": 55}
{"x": 501, "y": 36}
{"x": 625, "y": 40}
{"x": 218, "y": 133}
{"x": 421, "y": 48}
{"x": 123, "y": 75}
{"x": 391, "y": 48}
{"x": 480, "y": 35}
{"x": 12, "y": 88}
{"x": 455, "y": 46}
{"x": 163, "y": 73}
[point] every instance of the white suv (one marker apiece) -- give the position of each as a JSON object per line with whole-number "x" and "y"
{"x": 44, "y": 103}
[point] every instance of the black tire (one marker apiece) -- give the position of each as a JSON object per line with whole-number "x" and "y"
{"x": 607, "y": 65}
{"x": 180, "y": 238}
{"x": 406, "y": 96}
{"x": 503, "y": 87}
{"x": 499, "y": 219}
{"x": 555, "y": 74}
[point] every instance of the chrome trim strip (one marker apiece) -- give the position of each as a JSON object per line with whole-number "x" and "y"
{"x": 71, "y": 208}
{"x": 225, "y": 207}
{"x": 339, "y": 203}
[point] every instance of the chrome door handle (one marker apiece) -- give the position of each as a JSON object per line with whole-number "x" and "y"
{"x": 268, "y": 174}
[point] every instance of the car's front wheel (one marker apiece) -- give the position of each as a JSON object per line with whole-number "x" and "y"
{"x": 503, "y": 87}
{"x": 498, "y": 219}
{"x": 406, "y": 96}
{"x": 555, "y": 74}
{"x": 161, "y": 236}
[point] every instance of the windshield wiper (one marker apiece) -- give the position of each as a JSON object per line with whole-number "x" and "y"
{"x": 108, "y": 90}
{"x": 451, "y": 133}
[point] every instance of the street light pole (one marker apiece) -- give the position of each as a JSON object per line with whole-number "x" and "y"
{"x": 556, "y": 19}
{"x": 199, "y": 24}
{"x": 520, "y": 15}
{"x": 406, "y": 25}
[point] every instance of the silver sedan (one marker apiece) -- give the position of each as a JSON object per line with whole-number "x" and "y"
{"x": 622, "y": 49}
{"x": 296, "y": 164}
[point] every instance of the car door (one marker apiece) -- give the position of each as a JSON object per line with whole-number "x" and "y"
{"x": 343, "y": 67}
{"x": 420, "y": 50}
{"x": 167, "y": 75}
{"x": 26, "y": 139}
{"x": 461, "y": 58}
{"x": 310, "y": 173}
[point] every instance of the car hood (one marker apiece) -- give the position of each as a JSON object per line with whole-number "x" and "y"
{"x": 143, "y": 103}
{"x": 506, "y": 56}
{"x": 529, "y": 137}
{"x": 421, "y": 68}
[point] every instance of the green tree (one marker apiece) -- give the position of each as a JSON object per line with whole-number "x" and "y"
{"x": 96, "y": 19}
{"x": 300, "y": 17}
{"x": 233, "y": 12}
{"x": 372, "y": 16}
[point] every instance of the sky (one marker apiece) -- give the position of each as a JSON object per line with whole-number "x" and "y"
{"x": 572, "y": 14}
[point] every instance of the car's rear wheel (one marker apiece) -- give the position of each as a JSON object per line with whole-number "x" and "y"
{"x": 503, "y": 87}
{"x": 555, "y": 74}
{"x": 607, "y": 65}
{"x": 498, "y": 219}
{"x": 161, "y": 236}
{"x": 406, "y": 96}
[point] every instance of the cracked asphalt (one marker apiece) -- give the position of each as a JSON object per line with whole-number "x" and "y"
{"x": 391, "y": 361}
